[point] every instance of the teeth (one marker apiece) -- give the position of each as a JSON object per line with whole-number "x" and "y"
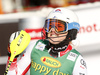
{"x": 54, "y": 35}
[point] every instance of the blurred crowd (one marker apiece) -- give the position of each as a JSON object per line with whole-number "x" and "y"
{"x": 11, "y": 6}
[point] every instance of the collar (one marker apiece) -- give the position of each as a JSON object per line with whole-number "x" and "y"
{"x": 60, "y": 53}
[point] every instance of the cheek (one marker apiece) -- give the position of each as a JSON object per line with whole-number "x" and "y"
{"x": 62, "y": 38}
{"x": 48, "y": 34}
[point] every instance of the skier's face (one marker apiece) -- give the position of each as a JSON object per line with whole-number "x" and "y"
{"x": 56, "y": 38}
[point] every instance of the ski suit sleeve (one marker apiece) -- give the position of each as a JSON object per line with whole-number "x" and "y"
{"x": 80, "y": 67}
{"x": 21, "y": 66}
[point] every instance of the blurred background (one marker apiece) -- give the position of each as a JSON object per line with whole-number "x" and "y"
{"x": 29, "y": 15}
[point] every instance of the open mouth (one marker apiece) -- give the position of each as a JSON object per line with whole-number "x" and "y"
{"x": 54, "y": 34}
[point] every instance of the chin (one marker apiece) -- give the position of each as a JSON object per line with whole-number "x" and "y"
{"x": 55, "y": 43}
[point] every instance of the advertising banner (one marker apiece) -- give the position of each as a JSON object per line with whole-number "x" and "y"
{"x": 89, "y": 33}
{"x": 33, "y": 26}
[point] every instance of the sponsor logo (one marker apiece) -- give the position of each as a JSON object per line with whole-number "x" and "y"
{"x": 58, "y": 10}
{"x": 45, "y": 70}
{"x": 82, "y": 67}
{"x": 83, "y": 63}
{"x": 60, "y": 48}
{"x": 51, "y": 62}
{"x": 20, "y": 40}
{"x": 81, "y": 74}
{"x": 72, "y": 56}
{"x": 89, "y": 28}
{"x": 76, "y": 25}
{"x": 40, "y": 46}
{"x": 34, "y": 33}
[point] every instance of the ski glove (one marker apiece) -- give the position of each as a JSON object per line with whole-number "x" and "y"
{"x": 12, "y": 37}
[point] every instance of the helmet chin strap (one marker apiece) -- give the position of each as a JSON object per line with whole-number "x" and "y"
{"x": 55, "y": 37}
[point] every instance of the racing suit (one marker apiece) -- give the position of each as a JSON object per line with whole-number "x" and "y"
{"x": 40, "y": 62}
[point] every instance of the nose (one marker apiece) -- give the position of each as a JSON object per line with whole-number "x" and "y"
{"x": 52, "y": 30}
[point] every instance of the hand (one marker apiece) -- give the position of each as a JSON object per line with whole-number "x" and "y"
{"x": 12, "y": 37}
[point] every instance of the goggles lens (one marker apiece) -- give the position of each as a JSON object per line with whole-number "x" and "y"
{"x": 58, "y": 25}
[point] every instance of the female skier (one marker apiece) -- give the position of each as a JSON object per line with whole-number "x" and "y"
{"x": 53, "y": 55}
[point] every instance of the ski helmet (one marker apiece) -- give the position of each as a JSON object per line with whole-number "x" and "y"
{"x": 69, "y": 18}
{"x": 62, "y": 15}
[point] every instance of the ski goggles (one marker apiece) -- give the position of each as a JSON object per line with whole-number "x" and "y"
{"x": 58, "y": 25}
